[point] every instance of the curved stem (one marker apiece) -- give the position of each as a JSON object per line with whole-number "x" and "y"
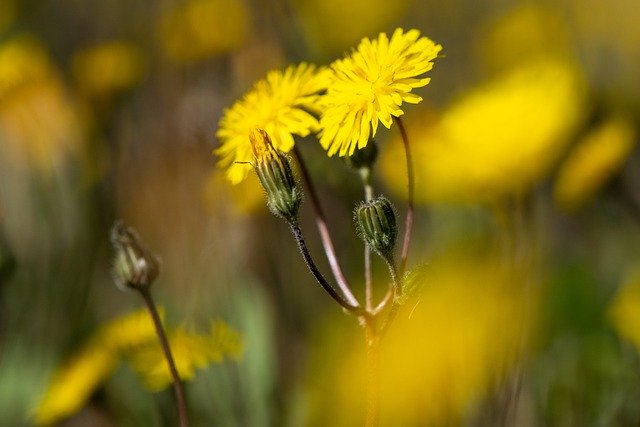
{"x": 323, "y": 230}
{"x": 408, "y": 225}
{"x": 164, "y": 343}
{"x": 297, "y": 232}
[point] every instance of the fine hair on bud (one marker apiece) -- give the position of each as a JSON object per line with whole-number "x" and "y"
{"x": 375, "y": 223}
{"x": 276, "y": 176}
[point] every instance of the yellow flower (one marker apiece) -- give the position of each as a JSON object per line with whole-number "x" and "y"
{"x": 132, "y": 336}
{"x": 108, "y": 67}
{"x": 338, "y": 15}
{"x": 497, "y": 141}
{"x": 39, "y": 125}
{"x": 281, "y": 104}
{"x": 455, "y": 338}
{"x": 370, "y": 85}
{"x": 624, "y": 311}
{"x": 72, "y": 385}
{"x": 190, "y": 352}
{"x": 593, "y": 162}
{"x": 198, "y": 29}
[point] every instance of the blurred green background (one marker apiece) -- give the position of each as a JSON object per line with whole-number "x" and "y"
{"x": 527, "y": 238}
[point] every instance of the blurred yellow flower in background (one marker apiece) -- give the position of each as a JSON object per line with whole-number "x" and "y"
{"x": 498, "y": 140}
{"x": 281, "y": 104}
{"x": 527, "y": 32}
{"x": 348, "y": 21}
{"x": 39, "y": 125}
{"x": 199, "y": 29}
{"x": 247, "y": 197}
{"x": 108, "y": 68}
{"x": 73, "y": 384}
{"x": 370, "y": 85}
{"x": 455, "y": 339}
{"x": 593, "y": 162}
{"x": 132, "y": 337}
{"x": 624, "y": 310}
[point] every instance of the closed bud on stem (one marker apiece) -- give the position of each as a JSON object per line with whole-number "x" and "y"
{"x": 275, "y": 174}
{"x": 376, "y": 225}
{"x": 134, "y": 266}
{"x": 363, "y": 158}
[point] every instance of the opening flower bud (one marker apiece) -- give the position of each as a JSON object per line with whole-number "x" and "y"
{"x": 376, "y": 225}
{"x": 275, "y": 174}
{"x": 134, "y": 265}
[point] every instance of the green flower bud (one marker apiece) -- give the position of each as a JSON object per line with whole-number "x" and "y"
{"x": 275, "y": 174}
{"x": 376, "y": 225}
{"x": 134, "y": 266}
{"x": 363, "y": 158}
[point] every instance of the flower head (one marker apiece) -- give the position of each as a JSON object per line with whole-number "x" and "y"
{"x": 591, "y": 164}
{"x": 370, "y": 85}
{"x": 282, "y": 104}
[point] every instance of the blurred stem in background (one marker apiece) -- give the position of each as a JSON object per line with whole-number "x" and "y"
{"x": 135, "y": 267}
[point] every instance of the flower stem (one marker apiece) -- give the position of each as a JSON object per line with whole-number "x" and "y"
{"x": 396, "y": 296}
{"x": 164, "y": 343}
{"x": 365, "y": 174}
{"x": 297, "y": 233}
{"x": 323, "y": 230}
{"x": 373, "y": 372}
{"x": 408, "y": 227}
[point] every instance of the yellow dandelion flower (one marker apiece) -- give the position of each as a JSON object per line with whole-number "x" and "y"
{"x": 185, "y": 30}
{"x": 72, "y": 385}
{"x": 108, "y": 67}
{"x": 39, "y": 124}
{"x": 130, "y": 330}
{"x": 190, "y": 352}
{"x": 624, "y": 311}
{"x": 370, "y": 85}
{"x": 132, "y": 336}
{"x": 464, "y": 328}
{"x": 282, "y": 104}
{"x": 593, "y": 162}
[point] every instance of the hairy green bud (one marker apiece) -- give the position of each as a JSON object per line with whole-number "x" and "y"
{"x": 376, "y": 225}
{"x": 274, "y": 171}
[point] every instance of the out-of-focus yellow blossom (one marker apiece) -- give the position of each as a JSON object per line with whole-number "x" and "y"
{"x": 348, "y": 21}
{"x": 199, "y": 29}
{"x": 281, "y": 105}
{"x": 498, "y": 140}
{"x": 247, "y": 197}
{"x": 133, "y": 337}
{"x": 529, "y": 31}
{"x": 73, "y": 384}
{"x": 590, "y": 164}
{"x": 624, "y": 311}
{"x": 190, "y": 352}
{"x": 39, "y": 125}
{"x": 108, "y": 68}
{"x": 453, "y": 341}
{"x": 129, "y": 330}
{"x": 370, "y": 85}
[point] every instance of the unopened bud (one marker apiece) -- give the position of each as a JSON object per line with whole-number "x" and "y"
{"x": 134, "y": 265}
{"x": 376, "y": 224}
{"x": 275, "y": 174}
{"x": 363, "y": 158}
